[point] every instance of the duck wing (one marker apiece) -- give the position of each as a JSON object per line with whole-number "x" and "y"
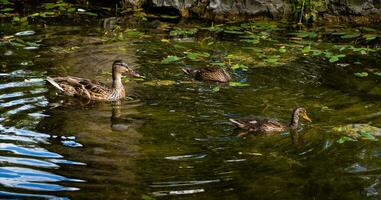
{"x": 84, "y": 88}
{"x": 259, "y": 124}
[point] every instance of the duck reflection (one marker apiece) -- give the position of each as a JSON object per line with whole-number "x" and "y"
{"x": 109, "y": 157}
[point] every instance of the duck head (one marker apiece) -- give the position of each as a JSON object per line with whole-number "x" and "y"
{"x": 301, "y": 112}
{"x": 120, "y": 67}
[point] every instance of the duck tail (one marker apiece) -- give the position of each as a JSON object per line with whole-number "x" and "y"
{"x": 54, "y": 83}
{"x": 188, "y": 70}
{"x": 236, "y": 122}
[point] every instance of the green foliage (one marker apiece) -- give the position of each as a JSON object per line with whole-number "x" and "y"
{"x": 307, "y": 10}
{"x": 356, "y": 132}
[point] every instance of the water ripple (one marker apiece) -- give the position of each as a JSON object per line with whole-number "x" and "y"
{"x": 31, "y": 179}
{"x": 182, "y": 183}
{"x": 27, "y": 162}
{"x": 28, "y": 151}
{"x": 12, "y": 195}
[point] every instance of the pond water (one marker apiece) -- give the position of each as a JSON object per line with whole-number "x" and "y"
{"x": 172, "y": 138}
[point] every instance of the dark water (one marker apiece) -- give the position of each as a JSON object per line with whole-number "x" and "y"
{"x": 173, "y": 140}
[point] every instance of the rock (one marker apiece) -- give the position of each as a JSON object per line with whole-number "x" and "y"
{"x": 246, "y": 9}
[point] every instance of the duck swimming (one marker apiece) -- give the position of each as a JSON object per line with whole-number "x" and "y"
{"x": 214, "y": 74}
{"x": 269, "y": 125}
{"x": 94, "y": 90}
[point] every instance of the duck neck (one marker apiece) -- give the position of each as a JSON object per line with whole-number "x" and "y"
{"x": 294, "y": 121}
{"x": 117, "y": 86}
{"x": 117, "y": 81}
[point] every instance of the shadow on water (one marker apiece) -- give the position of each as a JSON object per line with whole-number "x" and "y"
{"x": 175, "y": 140}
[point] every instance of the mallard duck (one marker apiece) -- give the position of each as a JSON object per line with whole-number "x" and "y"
{"x": 94, "y": 90}
{"x": 209, "y": 74}
{"x": 270, "y": 125}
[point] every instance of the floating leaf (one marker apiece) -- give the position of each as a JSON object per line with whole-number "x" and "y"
{"x": 133, "y": 33}
{"x": 369, "y": 37}
{"x": 159, "y": 82}
{"x": 272, "y": 59}
{"x": 239, "y": 66}
{"x": 49, "y": 5}
{"x": 90, "y": 13}
{"x": 169, "y": 16}
{"x": 6, "y": 9}
{"x": 238, "y": 84}
{"x": 216, "y": 89}
{"x": 183, "y": 31}
{"x": 253, "y": 41}
{"x": 146, "y": 197}
{"x": 197, "y": 56}
{"x": 361, "y": 74}
{"x": 164, "y": 40}
{"x": 377, "y": 73}
{"x": 169, "y": 59}
{"x": 221, "y": 64}
{"x": 306, "y": 49}
{"x": 350, "y": 35}
{"x": 305, "y": 34}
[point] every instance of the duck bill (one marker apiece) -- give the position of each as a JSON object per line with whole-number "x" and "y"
{"x": 307, "y": 118}
{"x": 132, "y": 73}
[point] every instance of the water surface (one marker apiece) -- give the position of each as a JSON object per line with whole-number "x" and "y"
{"x": 172, "y": 139}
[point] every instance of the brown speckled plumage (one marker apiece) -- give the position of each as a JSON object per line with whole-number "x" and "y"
{"x": 209, "y": 74}
{"x": 91, "y": 89}
{"x": 270, "y": 126}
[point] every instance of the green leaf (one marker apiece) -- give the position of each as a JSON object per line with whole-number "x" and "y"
{"x": 146, "y": 197}
{"x": 169, "y": 16}
{"x": 306, "y": 49}
{"x": 233, "y": 32}
{"x": 169, "y": 59}
{"x": 350, "y": 35}
{"x": 238, "y": 84}
{"x": 367, "y": 135}
{"x": 6, "y": 9}
{"x": 345, "y": 139}
{"x": 377, "y": 73}
{"x": 361, "y": 74}
{"x": 316, "y": 52}
{"x": 16, "y": 19}
{"x": 90, "y": 13}
{"x": 272, "y": 59}
{"x": 333, "y": 59}
{"x": 216, "y": 89}
{"x": 253, "y": 41}
{"x": 221, "y": 64}
{"x": 197, "y": 56}
{"x": 369, "y": 37}
{"x": 71, "y": 10}
{"x": 133, "y": 33}
{"x": 50, "y": 5}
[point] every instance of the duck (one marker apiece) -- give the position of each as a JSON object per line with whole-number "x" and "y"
{"x": 92, "y": 89}
{"x": 213, "y": 74}
{"x": 261, "y": 125}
